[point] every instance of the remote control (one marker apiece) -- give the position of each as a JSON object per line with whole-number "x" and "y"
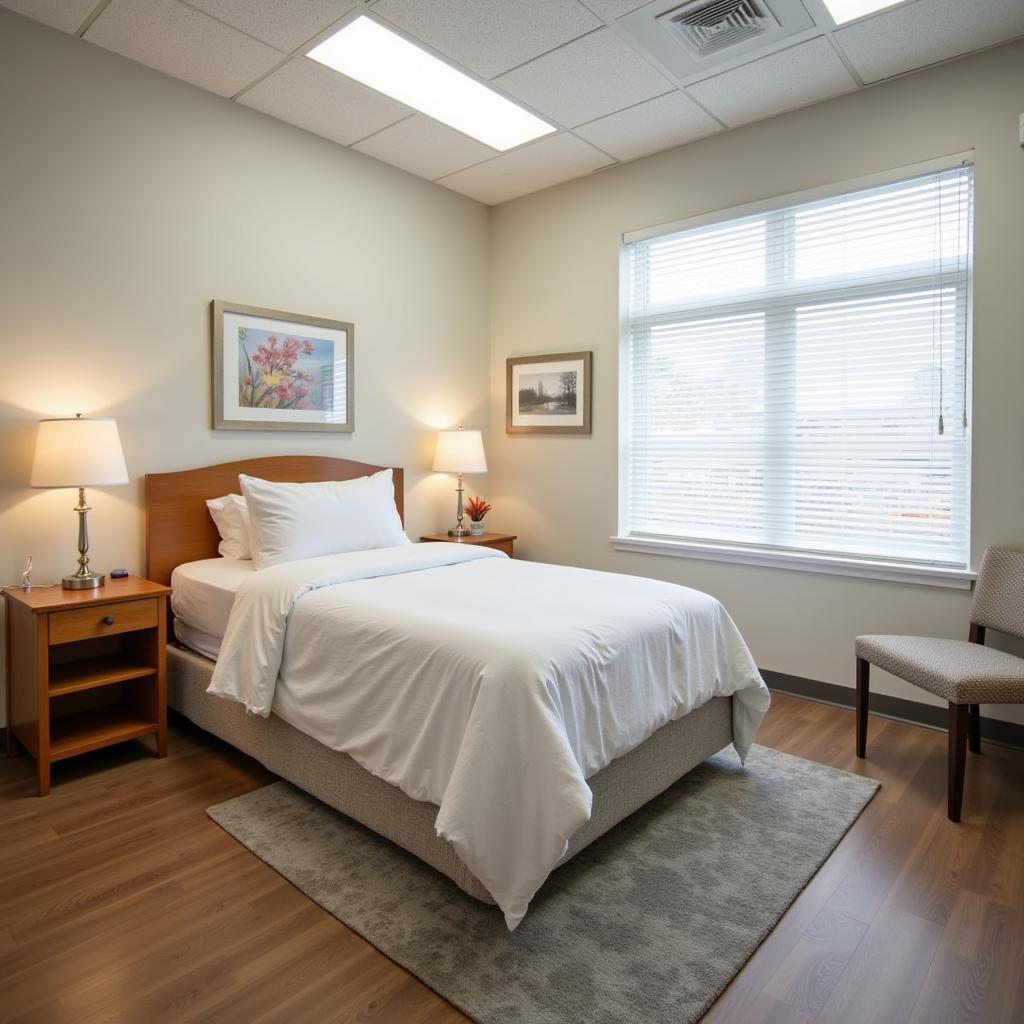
{"x": 118, "y": 574}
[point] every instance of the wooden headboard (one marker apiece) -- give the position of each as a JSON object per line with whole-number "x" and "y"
{"x": 178, "y": 524}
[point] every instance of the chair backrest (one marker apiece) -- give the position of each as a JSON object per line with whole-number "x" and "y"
{"x": 999, "y": 593}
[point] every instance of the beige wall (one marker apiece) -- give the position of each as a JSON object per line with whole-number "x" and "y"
{"x": 128, "y": 201}
{"x": 554, "y": 287}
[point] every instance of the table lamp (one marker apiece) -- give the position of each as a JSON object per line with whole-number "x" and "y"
{"x": 459, "y": 451}
{"x": 79, "y": 453}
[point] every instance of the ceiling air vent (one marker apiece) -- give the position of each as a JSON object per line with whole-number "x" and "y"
{"x": 710, "y": 26}
{"x": 692, "y": 39}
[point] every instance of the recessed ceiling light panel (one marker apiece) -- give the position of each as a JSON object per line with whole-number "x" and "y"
{"x": 843, "y": 11}
{"x": 385, "y": 61}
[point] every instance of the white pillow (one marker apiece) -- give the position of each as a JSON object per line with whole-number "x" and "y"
{"x": 293, "y": 521}
{"x": 232, "y": 518}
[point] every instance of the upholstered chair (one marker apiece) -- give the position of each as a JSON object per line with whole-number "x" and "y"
{"x": 963, "y": 672}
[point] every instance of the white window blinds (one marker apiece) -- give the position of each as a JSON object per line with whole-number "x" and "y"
{"x": 798, "y": 380}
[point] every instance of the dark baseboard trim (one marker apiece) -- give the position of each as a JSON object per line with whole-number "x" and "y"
{"x": 1006, "y": 734}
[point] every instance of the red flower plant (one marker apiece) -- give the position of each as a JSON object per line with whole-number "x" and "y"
{"x": 477, "y": 508}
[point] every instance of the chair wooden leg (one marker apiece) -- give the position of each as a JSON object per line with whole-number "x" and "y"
{"x": 958, "y": 728}
{"x": 863, "y": 668}
{"x": 974, "y": 735}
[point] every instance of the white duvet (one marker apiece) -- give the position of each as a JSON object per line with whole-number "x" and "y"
{"x": 491, "y": 687}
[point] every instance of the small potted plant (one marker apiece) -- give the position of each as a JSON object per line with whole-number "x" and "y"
{"x": 476, "y": 509}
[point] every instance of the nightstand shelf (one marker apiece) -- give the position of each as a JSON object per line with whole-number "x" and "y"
{"x": 101, "y": 670}
{"x": 83, "y": 731}
{"x": 85, "y": 669}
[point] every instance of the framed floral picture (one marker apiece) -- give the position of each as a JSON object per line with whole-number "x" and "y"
{"x": 548, "y": 394}
{"x": 280, "y": 371}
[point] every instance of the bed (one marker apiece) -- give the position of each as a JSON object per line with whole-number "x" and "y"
{"x": 399, "y": 602}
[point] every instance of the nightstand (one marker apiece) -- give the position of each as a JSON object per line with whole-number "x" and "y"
{"x": 500, "y": 541}
{"x": 85, "y": 669}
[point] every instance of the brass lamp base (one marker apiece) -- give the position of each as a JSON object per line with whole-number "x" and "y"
{"x": 459, "y": 530}
{"x": 85, "y": 578}
{"x": 90, "y": 582}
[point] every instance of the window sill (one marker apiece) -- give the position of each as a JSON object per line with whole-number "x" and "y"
{"x": 958, "y": 579}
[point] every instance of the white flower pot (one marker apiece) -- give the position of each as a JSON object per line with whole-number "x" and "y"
{"x": 477, "y": 529}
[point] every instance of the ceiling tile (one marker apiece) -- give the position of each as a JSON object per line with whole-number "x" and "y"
{"x": 548, "y": 161}
{"x": 182, "y": 42}
{"x": 67, "y": 15}
{"x": 425, "y": 147}
{"x": 489, "y": 36}
{"x": 657, "y": 124}
{"x": 284, "y": 24}
{"x": 791, "y": 78}
{"x": 921, "y": 33}
{"x": 313, "y": 97}
{"x": 612, "y": 9}
{"x": 585, "y": 79}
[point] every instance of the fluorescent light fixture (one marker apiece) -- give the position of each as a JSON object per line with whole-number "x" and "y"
{"x": 843, "y": 11}
{"x": 383, "y": 60}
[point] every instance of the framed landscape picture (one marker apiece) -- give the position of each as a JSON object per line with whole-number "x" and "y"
{"x": 548, "y": 394}
{"x": 280, "y": 371}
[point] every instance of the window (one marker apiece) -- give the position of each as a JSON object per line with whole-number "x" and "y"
{"x": 797, "y": 380}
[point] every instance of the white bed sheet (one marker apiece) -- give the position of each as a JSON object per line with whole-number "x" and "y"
{"x": 202, "y": 596}
{"x": 196, "y": 640}
{"x": 493, "y": 688}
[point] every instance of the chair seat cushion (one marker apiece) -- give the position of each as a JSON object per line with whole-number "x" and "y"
{"x": 955, "y": 670}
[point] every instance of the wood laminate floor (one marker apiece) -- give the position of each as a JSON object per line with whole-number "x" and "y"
{"x": 121, "y": 901}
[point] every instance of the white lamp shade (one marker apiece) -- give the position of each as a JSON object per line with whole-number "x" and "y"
{"x": 78, "y": 453}
{"x": 460, "y": 451}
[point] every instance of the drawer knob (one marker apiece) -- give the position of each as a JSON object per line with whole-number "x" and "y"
{"x": 108, "y": 620}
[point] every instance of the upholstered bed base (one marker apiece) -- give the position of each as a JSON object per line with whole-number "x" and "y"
{"x": 619, "y": 789}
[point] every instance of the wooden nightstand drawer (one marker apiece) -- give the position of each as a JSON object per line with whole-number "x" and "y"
{"x": 103, "y": 620}
{"x": 499, "y": 541}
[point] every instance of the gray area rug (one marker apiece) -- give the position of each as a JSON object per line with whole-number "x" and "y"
{"x": 645, "y": 926}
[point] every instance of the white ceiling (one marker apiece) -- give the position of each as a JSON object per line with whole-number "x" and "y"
{"x": 571, "y": 61}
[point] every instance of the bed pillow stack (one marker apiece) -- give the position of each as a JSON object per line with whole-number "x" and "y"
{"x": 293, "y": 521}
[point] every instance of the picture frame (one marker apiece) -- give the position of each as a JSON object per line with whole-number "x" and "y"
{"x": 548, "y": 394}
{"x": 274, "y": 370}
